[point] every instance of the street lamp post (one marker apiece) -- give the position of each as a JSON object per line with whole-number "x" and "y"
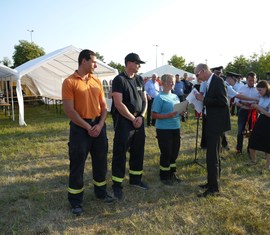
{"x": 156, "y": 54}
{"x": 162, "y": 54}
{"x": 31, "y": 31}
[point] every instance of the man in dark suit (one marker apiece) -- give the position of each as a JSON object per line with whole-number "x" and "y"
{"x": 218, "y": 121}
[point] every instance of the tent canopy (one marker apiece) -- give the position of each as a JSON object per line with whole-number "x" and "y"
{"x": 44, "y": 75}
{"x": 8, "y": 74}
{"x": 167, "y": 69}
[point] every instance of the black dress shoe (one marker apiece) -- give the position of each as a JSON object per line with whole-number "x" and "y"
{"x": 204, "y": 186}
{"x": 77, "y": 210}
{"x": 207, "y": 193}
{"x": 175, "y": 178}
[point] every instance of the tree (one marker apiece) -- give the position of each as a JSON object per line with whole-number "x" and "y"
{"x": 177, "y": 61}
{"x": 100, "y": 57}
{"x": 117, "y": 66}
{"x": 26, "y": 51}
{"x": 189, "y": 67}
{"x": 6, "y": 61}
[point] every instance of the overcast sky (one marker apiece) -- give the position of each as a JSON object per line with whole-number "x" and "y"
{"x": 210, "y": 30}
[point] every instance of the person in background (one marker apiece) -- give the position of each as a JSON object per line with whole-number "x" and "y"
{"x": 129, "y": 99}
{"x": 218, "y": 121}
{"x": 197, "y": 86}
{"x": 178, "y": 88}
{"x": 229, "y": 78}
{"x": 217, "y": 70}
{"x": 268, "y": 77}
{"x": 245, "y": 109}
{"x": 167, "y": 129}
{"x": 84, "y": 104}
{"x": 152, "y": 90}
{"x": 203, "y": 88}
{"x": 260, "y": 136}
{"x": 187, "y": 89}
{"x": 236, "y": 85}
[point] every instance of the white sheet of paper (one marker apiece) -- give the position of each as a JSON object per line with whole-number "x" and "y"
{"x": 180, "y": 107}
{"x": 198, "y": 105}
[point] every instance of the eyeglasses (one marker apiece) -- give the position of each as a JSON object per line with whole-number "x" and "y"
{"x": 136, "y": 62}
{"x": 197, "y": 74}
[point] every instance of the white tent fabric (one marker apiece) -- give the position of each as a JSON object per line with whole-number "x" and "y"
{"x": 167, "y": 69}
{"x": 8, "y": 74}
{"x": 44, "y": 75}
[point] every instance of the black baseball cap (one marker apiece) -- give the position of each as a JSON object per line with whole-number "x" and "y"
{"x": 132, "y": 57}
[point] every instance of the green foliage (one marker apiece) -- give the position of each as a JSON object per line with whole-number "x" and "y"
{"x": 260, "y": 64}
{"x": 6, "y": 61}
{"x": 100, "y": 57}
{"x": 26, "y": 51}
{"x": 180, "y": 63}
{"x": 177, "y": 61}
{"x": 117, "y": 66}
{"x": 190, "y": 67}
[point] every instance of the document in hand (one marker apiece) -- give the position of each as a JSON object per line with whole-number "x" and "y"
{"x": 198, "y": 105}
{"x": 181, "y": 107}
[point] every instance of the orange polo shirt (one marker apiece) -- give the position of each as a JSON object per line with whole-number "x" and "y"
{"x": 85, "y": 95}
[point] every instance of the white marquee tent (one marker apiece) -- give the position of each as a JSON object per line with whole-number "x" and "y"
{"x": 44, "y": 75}
{"x": 11, "y": 75}
{"x": 167, "y": 69}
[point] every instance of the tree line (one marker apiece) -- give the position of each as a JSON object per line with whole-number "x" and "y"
{"x": 259, "y": 63}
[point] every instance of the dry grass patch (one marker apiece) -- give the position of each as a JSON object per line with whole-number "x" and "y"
{"x": 34, "y": 174}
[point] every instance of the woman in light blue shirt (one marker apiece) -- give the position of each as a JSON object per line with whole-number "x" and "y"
{"x": 260, "y": 137}
{"x": 168, "y": 130}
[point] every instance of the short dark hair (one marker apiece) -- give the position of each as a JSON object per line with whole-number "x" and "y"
{"x": 85, "y": 54}
{"x": 251, "y": 74}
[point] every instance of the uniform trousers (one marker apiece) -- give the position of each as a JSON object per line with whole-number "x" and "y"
{"x": 80, "y": 145}
{"x": 169, "y": 145}
{"x": 150, "y": 120}
{"x": 242, "y": 120}
{"x": 127, "y": 138}
{"x": 213, "y": 159}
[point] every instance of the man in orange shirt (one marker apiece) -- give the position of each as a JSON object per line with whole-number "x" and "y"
{"x": 84, "y": 103}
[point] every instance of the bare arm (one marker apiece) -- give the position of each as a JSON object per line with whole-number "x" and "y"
{"x": 73, "y": 115}
{"x": 121, "y": 107}
{"x": 95, "y": 130}
{"x": 243, "y": 97}
{"x": 260, "y": 109}
{"x": 163, "y": 116}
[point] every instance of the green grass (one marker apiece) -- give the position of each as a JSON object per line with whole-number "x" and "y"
{"x": 34, "y": 174}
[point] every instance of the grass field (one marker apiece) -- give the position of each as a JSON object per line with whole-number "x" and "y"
{"x": 34, "y": 174}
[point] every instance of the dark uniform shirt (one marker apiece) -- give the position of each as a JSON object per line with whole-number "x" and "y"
{"x": 131, "y": 89}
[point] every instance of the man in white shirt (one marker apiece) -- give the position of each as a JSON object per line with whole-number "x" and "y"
{"x": 250, "y": 91}
{"x": 152, "y": 90}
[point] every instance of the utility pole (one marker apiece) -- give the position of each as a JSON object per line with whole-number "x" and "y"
{"x": 162, "y": 54}
{"x": 156, "y": 54}
{"x": 31, "y": 31}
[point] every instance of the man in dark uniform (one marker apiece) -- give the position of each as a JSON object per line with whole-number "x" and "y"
{"x": 130, "y": 103}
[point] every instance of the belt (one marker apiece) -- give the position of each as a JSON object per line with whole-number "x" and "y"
{"x": 96, "y": 119}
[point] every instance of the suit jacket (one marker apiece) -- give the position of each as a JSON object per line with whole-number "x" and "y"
{"x": 217, "y": 107}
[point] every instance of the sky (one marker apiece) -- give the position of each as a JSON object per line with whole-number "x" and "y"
{"x": 208, "y": 31}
